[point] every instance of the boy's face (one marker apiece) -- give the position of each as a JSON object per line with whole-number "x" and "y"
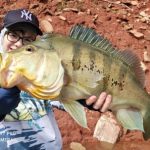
{"x": 17, "y": 37}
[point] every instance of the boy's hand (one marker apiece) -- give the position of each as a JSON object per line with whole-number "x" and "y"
{"x": 101, "y": 103}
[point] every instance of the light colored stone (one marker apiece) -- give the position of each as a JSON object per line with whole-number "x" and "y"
{"x": 146, "y": 56}
{"x": 107, "y": 129}
{"x": 136, "y": 34}
{"x": 71, "y": 9}
{"x": 144, "y": 67}
{"x": 46, "y": 26}
{"x": 48, "y": 18}
{"x": 62, "y": 18}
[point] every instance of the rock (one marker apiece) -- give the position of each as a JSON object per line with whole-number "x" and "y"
{"x": 146, "y": 57}
{"x": 136, "y": 34}
{"x": 107, "y": 129}
{"x": 46, "y": 26}
{"x": 144, "y": 67}
{"x": 62, "y": 18}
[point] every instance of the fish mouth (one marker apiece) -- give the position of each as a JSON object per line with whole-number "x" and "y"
{"x": 10, "y": 79}
{"x": 41, "y": 92}
{"x": 44, "y": 94}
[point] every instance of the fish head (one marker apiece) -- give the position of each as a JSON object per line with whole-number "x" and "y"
{"x": 35, "y": 68}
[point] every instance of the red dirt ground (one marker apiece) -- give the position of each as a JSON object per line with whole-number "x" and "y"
{"x": 125, "y": 23}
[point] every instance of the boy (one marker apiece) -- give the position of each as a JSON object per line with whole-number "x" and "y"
{"x": 28, "y": 123}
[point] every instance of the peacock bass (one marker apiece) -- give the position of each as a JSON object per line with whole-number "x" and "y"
{"x": 69, "y": 68}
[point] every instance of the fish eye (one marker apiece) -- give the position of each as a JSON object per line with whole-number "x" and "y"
{"x": 30, "y": 49}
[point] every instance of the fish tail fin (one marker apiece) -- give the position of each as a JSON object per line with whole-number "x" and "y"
{"x": 77, "y": 112}
{"x": 146, "y": 121}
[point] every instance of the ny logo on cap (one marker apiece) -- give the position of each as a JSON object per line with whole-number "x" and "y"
{"x": 26, "y": 14}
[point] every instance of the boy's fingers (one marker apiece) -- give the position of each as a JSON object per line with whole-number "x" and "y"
{"x": 100, "y": 101}
{"x": 106, "y": 103}
{"x": 91, "y": 100}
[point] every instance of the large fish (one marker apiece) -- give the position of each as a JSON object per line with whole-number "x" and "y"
{"x": 69, "y": 68}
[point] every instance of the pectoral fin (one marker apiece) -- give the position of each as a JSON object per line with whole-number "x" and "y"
{"x": 130, "y": 119}
{"x": 76, "y": 110}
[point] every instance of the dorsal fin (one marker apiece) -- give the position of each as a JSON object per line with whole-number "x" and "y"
{"x": 133, "y": 62}
{"x": 88, "y": 35}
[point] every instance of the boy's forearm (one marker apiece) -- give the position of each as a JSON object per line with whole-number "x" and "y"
{"x": 2, "y": 117}
{"x": 9, "y": 99}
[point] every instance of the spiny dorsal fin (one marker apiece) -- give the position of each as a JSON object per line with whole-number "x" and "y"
{"x": 88, "y": 35}
{"x": 134, "y": 63}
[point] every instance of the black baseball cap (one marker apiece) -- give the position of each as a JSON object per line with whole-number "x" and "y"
{"x": 21, "y": 16}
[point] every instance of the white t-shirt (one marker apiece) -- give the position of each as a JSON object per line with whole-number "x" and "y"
{"x": 30, "y": 126}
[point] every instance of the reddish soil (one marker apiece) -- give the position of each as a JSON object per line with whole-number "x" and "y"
{"x": 125, "y": 23}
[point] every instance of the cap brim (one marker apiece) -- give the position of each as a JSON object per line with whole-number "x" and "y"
{"x": 39, "y": 32}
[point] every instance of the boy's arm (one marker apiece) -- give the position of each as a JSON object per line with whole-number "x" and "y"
{"x": 9, "y": 99}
